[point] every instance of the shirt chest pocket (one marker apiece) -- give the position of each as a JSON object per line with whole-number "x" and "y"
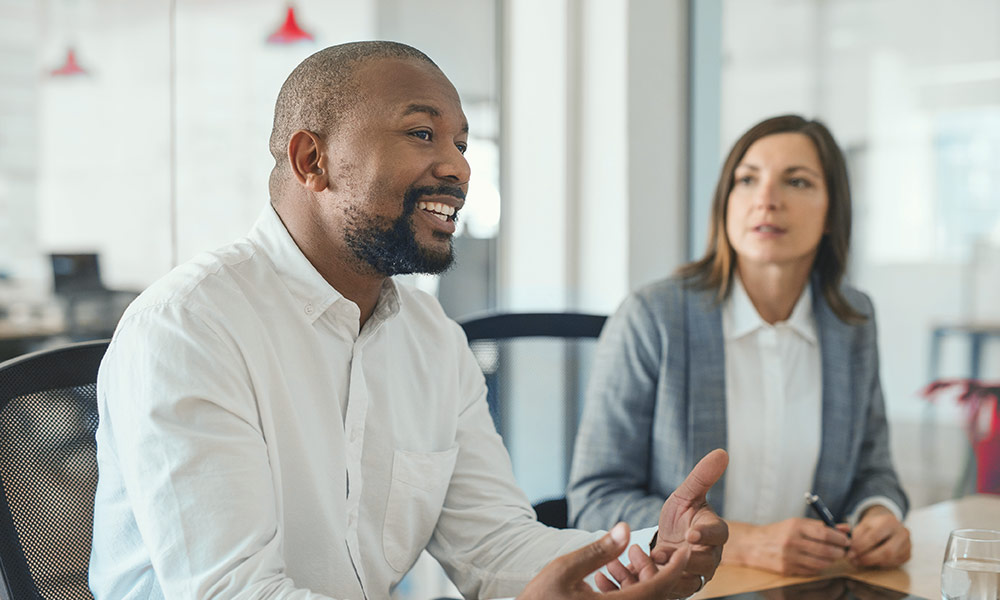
{"x": 419, "y": 484}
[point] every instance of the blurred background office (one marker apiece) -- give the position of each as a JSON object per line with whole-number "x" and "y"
{"x": 133, "y": 135}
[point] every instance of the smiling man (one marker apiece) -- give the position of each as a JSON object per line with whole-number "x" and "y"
{"x": 280, "y": 419}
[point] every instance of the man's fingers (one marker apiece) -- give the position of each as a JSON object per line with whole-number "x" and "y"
{"x": 660, "y": 584}
{"x": 620, "y": 572}
{"x": 703, "y": 561}
{"x": 661, "y": 554}
{"x": 641, "y": 564}
{"x": 603, "y": 583}
{"x": 703, "y": 476}
{"x": 708, "y": 529}
{"x": 578, "y": 564}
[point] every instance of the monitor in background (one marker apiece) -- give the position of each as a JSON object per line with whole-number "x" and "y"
{"x": 75, "y": 273}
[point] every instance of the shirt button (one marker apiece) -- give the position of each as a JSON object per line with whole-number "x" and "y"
{"x": 309, "y": 309}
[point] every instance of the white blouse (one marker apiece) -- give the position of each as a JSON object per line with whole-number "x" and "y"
{"x": 774, "y": 408}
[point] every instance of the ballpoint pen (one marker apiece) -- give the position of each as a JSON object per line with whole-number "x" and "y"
{"x": 820, "y": 509}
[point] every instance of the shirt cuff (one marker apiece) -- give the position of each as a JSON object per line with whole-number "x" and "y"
{"x": 874, "y": 501}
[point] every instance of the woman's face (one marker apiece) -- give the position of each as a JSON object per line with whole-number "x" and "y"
{"x": 776, "y": 214}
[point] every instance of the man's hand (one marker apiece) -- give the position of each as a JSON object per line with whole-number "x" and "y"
{"x": 879, "y": 540}
{"x": 562, "y": 579}
{"x": 687, "y": 521}
{"x": 797, "y": 546}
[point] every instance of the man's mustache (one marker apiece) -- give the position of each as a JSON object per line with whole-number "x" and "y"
{"x": 413, "y": 195}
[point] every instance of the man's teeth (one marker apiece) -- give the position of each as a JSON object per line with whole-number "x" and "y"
{"x": 439, "y": 210}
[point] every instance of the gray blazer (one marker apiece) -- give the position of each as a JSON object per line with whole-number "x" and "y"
{"x": 656, "y": 403}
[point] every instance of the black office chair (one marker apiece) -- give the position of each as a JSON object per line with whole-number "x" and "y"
{"x": 48, "y": 468}
{"x": 529, "y": 358}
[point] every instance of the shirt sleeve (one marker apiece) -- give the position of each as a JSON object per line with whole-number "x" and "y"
{"x": 609, "y": 479}
{"x": 179, "y": 422}
{"x": 487, "y": 538}
{"x": 894, "y": 508}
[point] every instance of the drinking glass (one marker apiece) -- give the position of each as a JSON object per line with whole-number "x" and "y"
{"x": 971, "y": 568}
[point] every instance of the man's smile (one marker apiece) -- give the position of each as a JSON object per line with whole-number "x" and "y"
{"x": 440, "y": 210}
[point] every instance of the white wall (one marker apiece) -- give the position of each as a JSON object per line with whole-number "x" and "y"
{"x": 105, "y": 181}
{"x": 19, "y": 114}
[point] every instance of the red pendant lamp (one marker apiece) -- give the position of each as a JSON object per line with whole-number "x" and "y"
{"x": 69, "y": 66}
{"x": 289, "y": 32}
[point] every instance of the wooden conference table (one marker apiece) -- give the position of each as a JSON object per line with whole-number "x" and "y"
{"x": 920, "y": 576}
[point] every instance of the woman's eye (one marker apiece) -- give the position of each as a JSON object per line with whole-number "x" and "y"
{"x": 798, "y": 182}
{"x": 422, "y": 134}
{"x": 745, "y": 180}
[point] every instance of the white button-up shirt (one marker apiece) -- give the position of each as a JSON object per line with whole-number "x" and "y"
{"x": 774, "y": 408}
{"x": 254, "y": 442}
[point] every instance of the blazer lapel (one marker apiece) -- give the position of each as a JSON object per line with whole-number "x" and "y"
{"x": 707, "y": 382}
{"x": 838, "y": 420}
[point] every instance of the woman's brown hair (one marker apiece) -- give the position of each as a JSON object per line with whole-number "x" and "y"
{"x": 715, "y": 269}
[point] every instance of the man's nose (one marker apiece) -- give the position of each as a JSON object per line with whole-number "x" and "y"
{"x": 453, "y": 167}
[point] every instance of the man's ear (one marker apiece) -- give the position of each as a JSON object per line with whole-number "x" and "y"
{"x": 307, "y": 158}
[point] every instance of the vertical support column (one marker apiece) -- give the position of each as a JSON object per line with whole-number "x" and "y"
{"x": 704, "y": 136}
{"x": 533, "y": 227}
{"x": 602, "y": 248}
{"x": 657, "y": 138}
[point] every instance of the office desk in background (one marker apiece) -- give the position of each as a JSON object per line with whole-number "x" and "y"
{"x": 18, "y": 338}
{"x": 975, "y": 333}
{"x": 921, "y": 575}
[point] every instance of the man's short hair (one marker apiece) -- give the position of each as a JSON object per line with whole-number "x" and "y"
{"x": 322, "y": 89}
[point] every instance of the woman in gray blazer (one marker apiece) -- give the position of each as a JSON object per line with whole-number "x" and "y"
{"x": 758, "y": 348}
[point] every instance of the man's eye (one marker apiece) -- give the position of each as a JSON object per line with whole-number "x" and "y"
{"x": 422, "y": 134}
{"x": 462, "y": 147}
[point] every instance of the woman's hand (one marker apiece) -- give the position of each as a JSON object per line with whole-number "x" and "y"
{"x": 791, "y": 547}
{"x": 879, "y": 540}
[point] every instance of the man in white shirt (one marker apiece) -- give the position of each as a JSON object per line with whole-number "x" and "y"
{"x": 279, "y": 419}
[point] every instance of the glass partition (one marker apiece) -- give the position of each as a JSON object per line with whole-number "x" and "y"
{"x": 911, "y": 90}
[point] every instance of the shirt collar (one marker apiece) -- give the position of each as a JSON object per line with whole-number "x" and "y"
{"x": 303, "y": 281}
{"x": 742, "y": 318}
{"x": 802, "y": 320}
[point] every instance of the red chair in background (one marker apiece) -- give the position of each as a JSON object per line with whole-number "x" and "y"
{"x": 981, "y": 402}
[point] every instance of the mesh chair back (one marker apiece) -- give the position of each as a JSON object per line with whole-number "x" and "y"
{"x": 535, "y": 366}
{"x": 48, "y": 468}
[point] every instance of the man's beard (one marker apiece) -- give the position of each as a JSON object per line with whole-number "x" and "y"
{"x": 389, "y": 246}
